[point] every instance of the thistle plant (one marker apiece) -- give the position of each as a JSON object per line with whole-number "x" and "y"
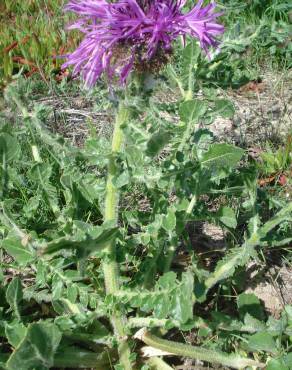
{"x": 109, "y": 276}
{"x": 124, "y": 41}
{"x": 123, "y": 38}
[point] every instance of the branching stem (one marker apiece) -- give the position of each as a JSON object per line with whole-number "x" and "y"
{"x": 173, "y": 348}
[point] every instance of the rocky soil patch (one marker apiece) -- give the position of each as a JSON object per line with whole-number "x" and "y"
{"x": 263, "y": 112}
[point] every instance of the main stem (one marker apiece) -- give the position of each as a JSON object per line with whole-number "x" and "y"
{"x": 110, "y": 266}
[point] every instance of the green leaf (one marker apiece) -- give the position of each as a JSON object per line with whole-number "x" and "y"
{"x": 169, "y": 221}
{"x": 41, "y": 173}
{"x": 89, "y": 187}
{"x": 220, "y": 159}
{"x": 9, "y": 148}
{"x": 13, "y": 246}
{"x": 191, "y": 110}
{"x": 84, "y": 298}
{"x": 253, "y": 325}
{"x": 14, "y": 295}
{"x": 15, "y": 332}
{"x": 189, "y": 60}
{"x": 224, "y": 108}
{"x": 225, "y": 322}
{"x": 32, "y": 206}
{"x": 277, "y": 364}
{"x": 183, "y": 301}
{"x": 94, "y": 333}
{"x": 122, "y": 180}
{"x": 288, "y": 360}
{"x": 285, "y": 214}
{"x": 202, "y": 138}
{"x": 85, "y": 245}
{"x": 157, "y": 142}
{"x": 227, "y": 216}
{"x": 72, "y": 292}
{"x": 276, "y": 327}
{"x": 64, "y": 307}
{"x": 37, "y": 349}
{"x": 169, "y": 299}
{"x": 57, "y": 287}
{"x": 248, "y": 303}
{"x": 74, "y": 357}
{"x": 97, "y": 151}
{"x": 262, "y": 341}
{"x": 7, "y": 65}
{"x": 226, "y": 267}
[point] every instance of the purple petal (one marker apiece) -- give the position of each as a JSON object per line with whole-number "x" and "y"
{"x": 126, "y": 27}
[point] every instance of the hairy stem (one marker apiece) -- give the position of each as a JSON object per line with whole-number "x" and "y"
{"x": 185, "y": 350}
{"x": 139, "y": 322}
{"x": 110, "y": 266}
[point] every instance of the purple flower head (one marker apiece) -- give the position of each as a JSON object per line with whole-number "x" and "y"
{"x": 131, "y": 34}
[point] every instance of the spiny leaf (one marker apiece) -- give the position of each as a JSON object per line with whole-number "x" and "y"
{"x": 226, "y": 267}
{"x": 220, "y": 159}
{"x": 190, "y": 55}
{"x": 285, "y": 214}
{"x": 170, "y": 298}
